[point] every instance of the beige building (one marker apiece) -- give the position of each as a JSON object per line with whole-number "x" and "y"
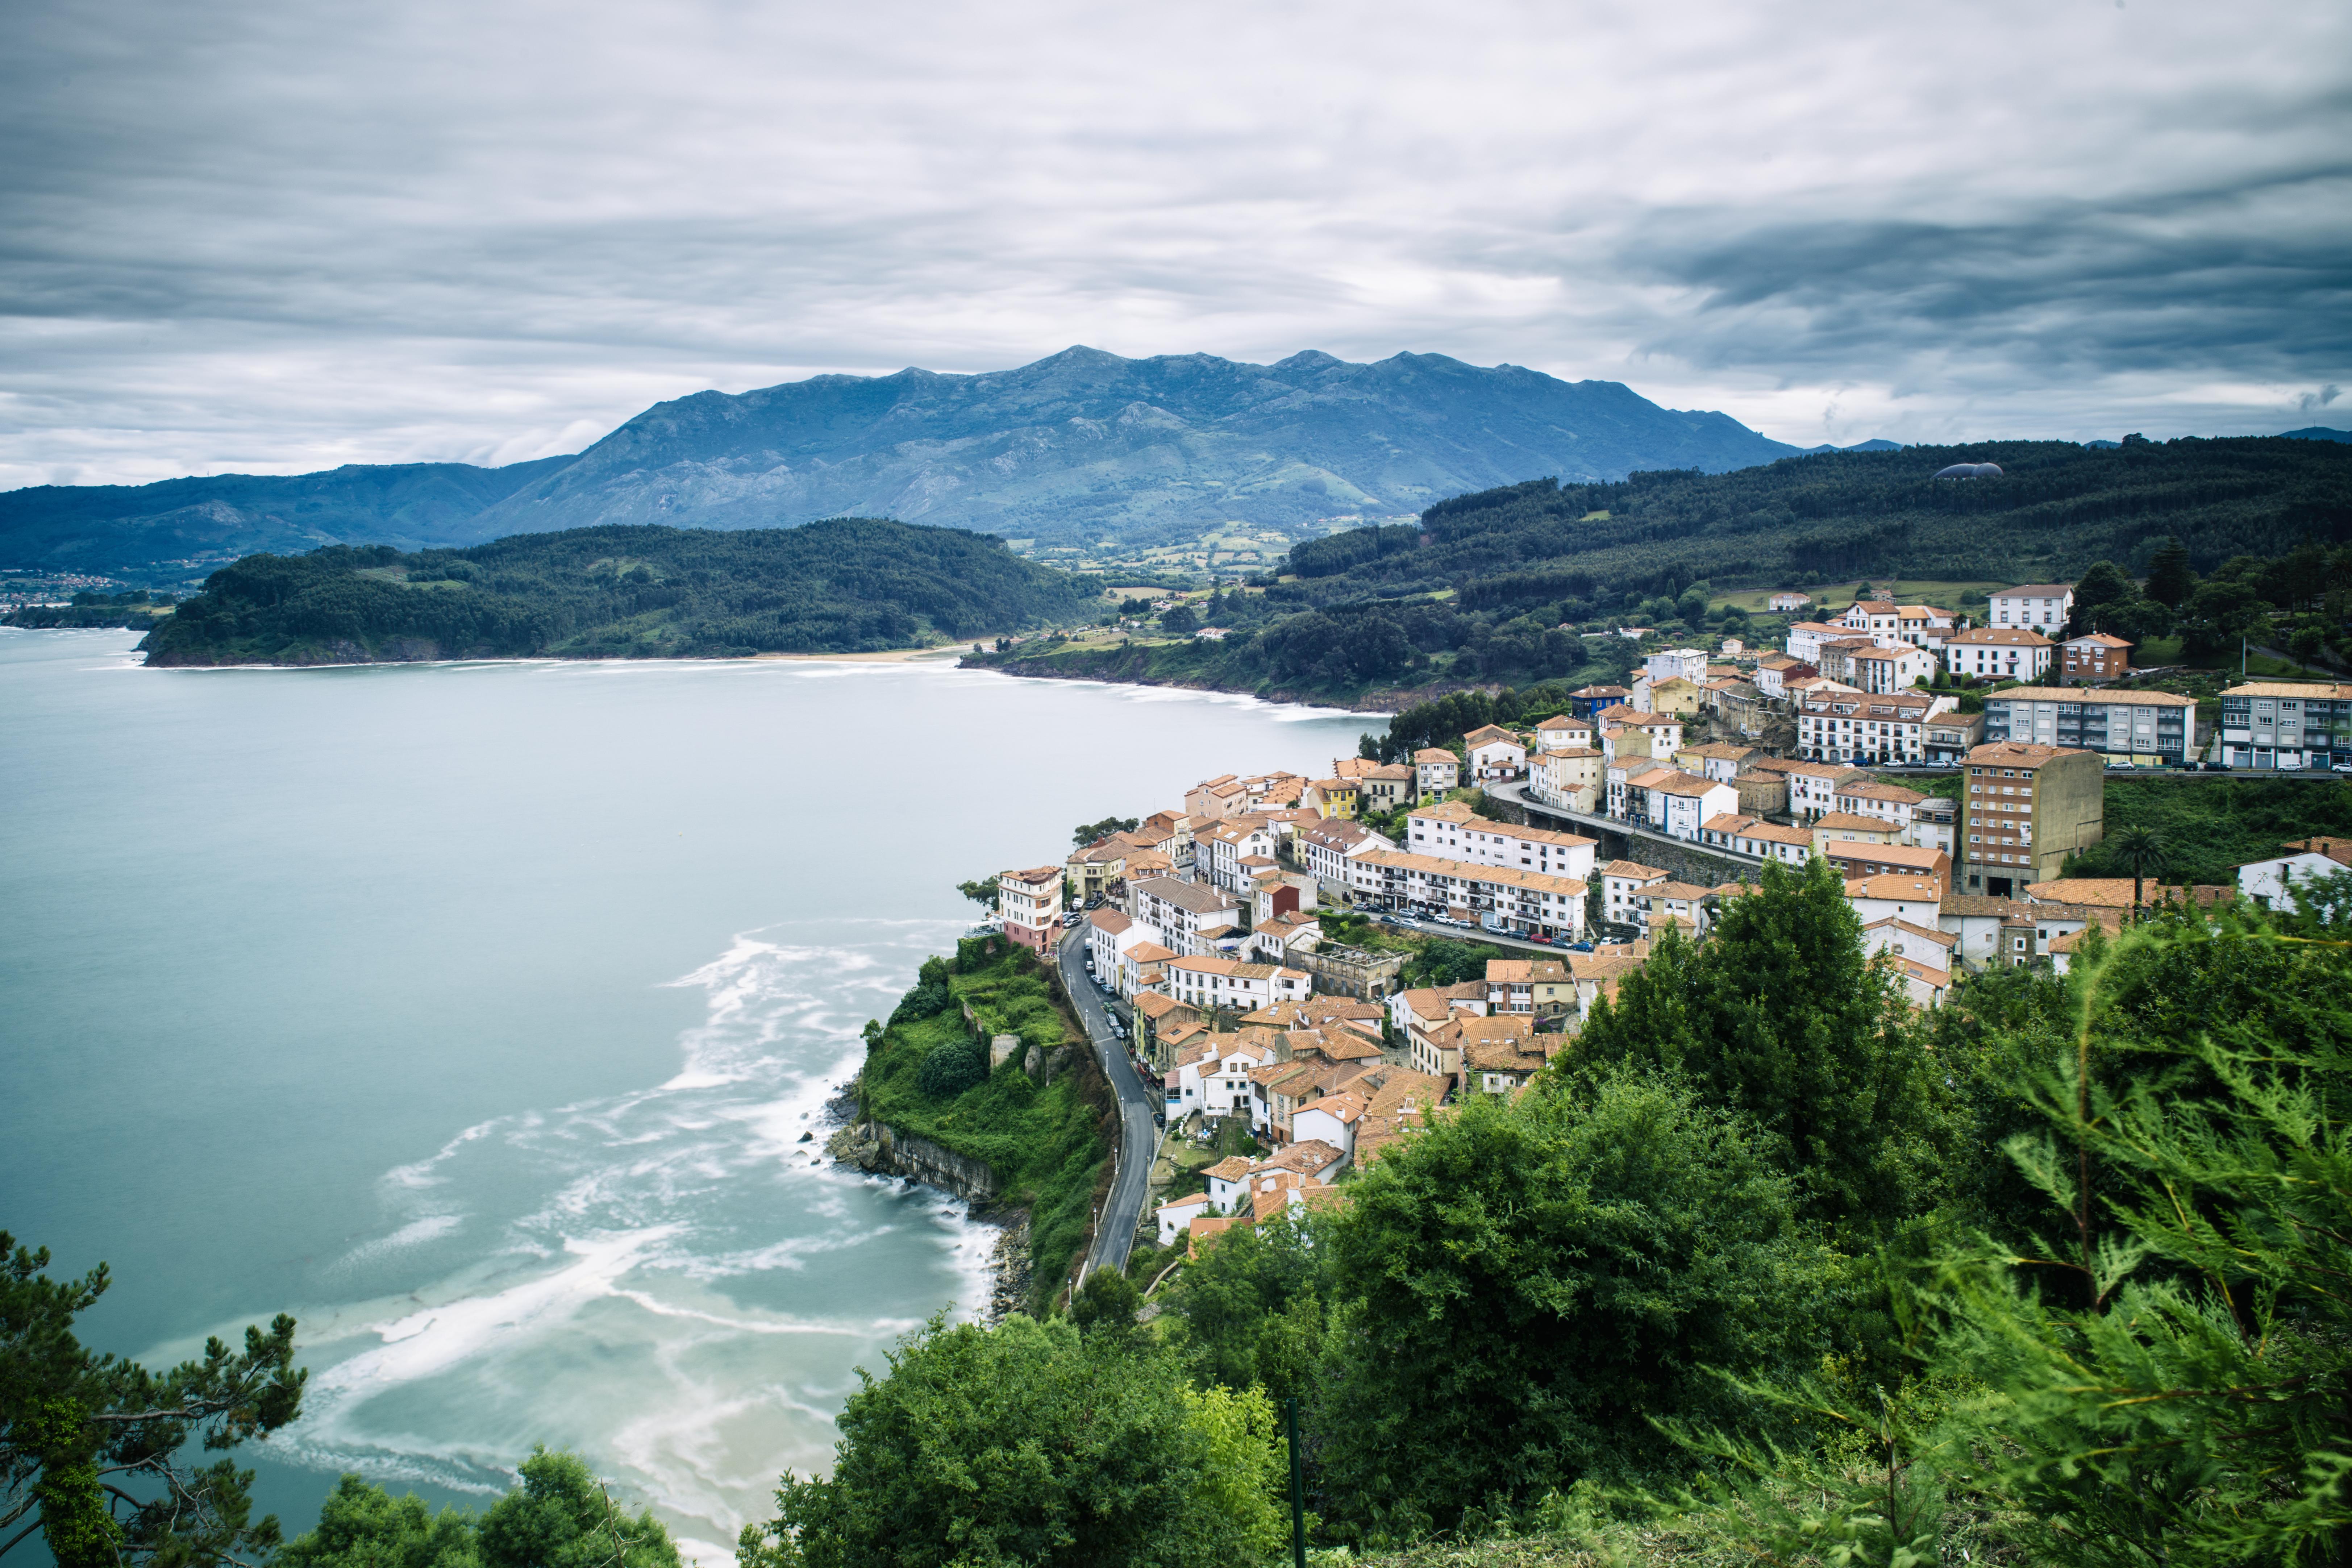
{"x": 2027, "y": 808}
{"x": 1435, "y": 770}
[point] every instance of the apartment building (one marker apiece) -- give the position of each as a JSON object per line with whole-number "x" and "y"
{"x": 1867, "y": 796}
{"x": 1680, "y": 803}
{"x": 2028, "y": 807}
{"x": 1387, "y": 786}
{"x": 1452, "y": 831}
{"x": 1181, "y": 914}
{"x": 1570, "y": 779}
{"x": 1539, "y": 987}
{"x": 1219, "y": 853}
{"x": 1890, "y": 668}
{"x": 1745, "y": 835}
{"x": 1206, "y": 983}
{"x": 2287, "y": 724}
{"x": 2143, "y": 726}
{"x": 2044, "y": 606}
{"x": 1029, "y": 904}
{"x": 1624, "y": 892}
{"x": 1675, "y": 663}
{"x": 1560, "y": 734}
{"x": 1805, "y": 638}
{"x": 1866, "y": 727}
{"x": 1952, "y": 736}
{"x": 1873, "y": 618}
{"x": 1331, "y": 853}
{"x": 2097, "y": 656}
{"x": 1500, "y": 898}
{"x": 1435, "y": 770}
{"x": 1998, "y": 653}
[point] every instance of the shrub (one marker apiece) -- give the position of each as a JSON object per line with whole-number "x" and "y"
{"x": 951, "y": 1069}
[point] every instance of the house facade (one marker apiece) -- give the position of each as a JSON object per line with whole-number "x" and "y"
{"x": 2138, "y": 726}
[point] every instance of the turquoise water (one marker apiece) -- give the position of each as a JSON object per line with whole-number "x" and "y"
{"x": 473, "y": 1013}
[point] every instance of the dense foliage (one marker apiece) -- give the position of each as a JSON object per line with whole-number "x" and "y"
{"x": 2206, "y": 829}
{"x": 1033, "y": 1444}
{"x": 848, "y": 585}
{"x": 559, "y": 1517}
{"x": 100, "y": 1455}
{"x": 927, "y": 1075}
{"x": 1837, "y": 516}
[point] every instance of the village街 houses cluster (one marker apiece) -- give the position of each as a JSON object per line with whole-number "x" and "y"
{"x": 1202, "y": 922}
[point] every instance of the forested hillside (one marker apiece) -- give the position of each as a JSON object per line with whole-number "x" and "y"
{"x": 848, "y": 585}
{"x": 1837, "y": 516}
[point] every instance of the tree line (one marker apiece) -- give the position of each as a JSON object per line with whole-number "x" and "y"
{"x": 847, "y": 585}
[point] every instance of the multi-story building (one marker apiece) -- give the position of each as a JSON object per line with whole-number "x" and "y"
{"x": 1500, "y": 898}
{"x": 1331, "y": 851}
{"x": 1873, "y": 618}
{"x": 1209, "y": 982}
{"x": 2043, "y": 606}
{"x": 2096, "y": 657}
{"x": 1452, "y": 831}
{"x": 1923, "y": 626}
{"x": 1744, "y": 834}
{"x": 1181, "y": 914}
{"x": 1387, "y": 786}
{"x": 1624, "y": 887}
{"x": 1779, "y": 603}
{"x": 1435, "y": 770}
{"x": 1539, "y": 986}
{"x": 2028, "y": 808}
{"x": 1562, "y": 733}
{"x": 1935, "y": 823}
{"x": 1687, "y": 663}
{"x": 1998, "y": 653}
{"x": 2287, "y": 724}
{"x": 1952, "y": 736}
{"x": 1218, "y": 854}
{"x": 1805, "y": 639}
{"x": 1812, "y": 785}
{"x": 1891, "y": 804}
{"x": 1680, "y": 803}
{"x": 1029, "y": 903}
{"x": 1570, "y": 779}
{"x": 1867, "y": 727}
{"x": 1587, "y": 701}
{"x": 1890, "y": 668}
{"x": 2148, "y": 726}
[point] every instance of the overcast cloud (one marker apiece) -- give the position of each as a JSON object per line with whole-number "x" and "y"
{"x": 287, "y": 234}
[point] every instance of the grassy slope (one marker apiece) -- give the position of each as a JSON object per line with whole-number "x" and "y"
{"x": 1046, "y": 1146}
{"x": 2208, "y": 826}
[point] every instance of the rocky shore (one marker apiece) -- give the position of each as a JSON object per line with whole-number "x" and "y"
{"x": 882, "y": 1150}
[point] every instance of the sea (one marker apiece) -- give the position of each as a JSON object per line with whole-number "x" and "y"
{"x": 482, "y": 1016}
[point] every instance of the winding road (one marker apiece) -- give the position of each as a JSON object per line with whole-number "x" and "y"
{"x": 1138, "y": 1136}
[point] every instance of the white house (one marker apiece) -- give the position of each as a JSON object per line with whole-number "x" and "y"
{"x": 1560, "y": 734}
{"x": 1452, "y": 831}
{"x": 1331, "y": 1119}
{"x": 1330, "y": 849}
{"x": 1494, "y": 753}
{"x": 1181, "y": 914}
{"x": 1435, "y": 770}
{"x": 2271, "y": 883}
{"x": 1780, "y": 603}
{"x": 1805, "y": 639}
{"x": 1677, "y": 663}
{"x": 1206, "y": 983}
{"x": 2044, "y": 606}
{"x": 1624, "y": 896}
{"x": 1680, "y": 805}
{"x": 1998, "y": 653}
{"x": 1177, "y": 1217}
{"x": 1890, "y": 669}
{"x": 1109, "y": 933}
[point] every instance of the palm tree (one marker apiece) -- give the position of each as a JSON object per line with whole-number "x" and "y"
{"x": 2142, "y": 849}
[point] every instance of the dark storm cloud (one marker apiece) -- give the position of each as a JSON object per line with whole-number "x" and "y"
{"x": 284, "y": 235}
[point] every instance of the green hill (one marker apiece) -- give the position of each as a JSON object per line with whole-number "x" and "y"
{"x": 1837, "y": 516}
{"x": 847, "y": 586}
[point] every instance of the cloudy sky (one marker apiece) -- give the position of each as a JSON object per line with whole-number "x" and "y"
{"x": 284, "y": 234}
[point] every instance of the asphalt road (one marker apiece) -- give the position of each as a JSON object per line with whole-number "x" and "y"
{"x": 1139, "y": 1137}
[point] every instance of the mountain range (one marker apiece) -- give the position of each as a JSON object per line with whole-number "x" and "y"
{"x": 1079, "y": 447}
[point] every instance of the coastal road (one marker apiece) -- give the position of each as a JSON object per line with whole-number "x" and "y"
{"x": 1138, "y": 1138}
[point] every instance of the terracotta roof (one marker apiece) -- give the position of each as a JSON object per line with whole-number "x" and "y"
{"x": 2019, "y": 755}
{"x": 1900, "y": 888}
{"x": 2034, "y": 590}
{"x": 1633, "y": 868}
{"x": 2105, "y": 639}
{"x": 1683, "y": 890}
{"x": 1232, "y": 1168}
{"x": 2325, "y": 691}
{"x": 2107, "y": 694}
{"x": 1998, "y": 636}
{"x": 1940, "y": 938}
{"x": 2116, "y": 892}
{"x": 1835, "y": 821}
{"x": 1195, "y": 1201}
{"x": 1208, "y": 1227}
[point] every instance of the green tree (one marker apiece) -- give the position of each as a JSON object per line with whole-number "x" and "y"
{"x": 2218, "y": 614}
{"x": 1529, "y": 1282}
{"x": 2169, "y": 580}
{"x": 1178, "y": 620}
{"x": 96, "y": 1452}
{"x": 1105, "y": 1304}
{"x": 1249, "y": 1310}
{"x": 1028, "y": 1443}
{"x": 1089, "y": 832}
{"x": 2162, "y": 1378}
{"x": 2102, "y": 587}
{"x": 982, "y": 893}
{"x": 2140, "y": 848}
{"x": 363, "y": 1526}
{"x": 1781, "y": 1015}
{"x": 562, "y": 1516}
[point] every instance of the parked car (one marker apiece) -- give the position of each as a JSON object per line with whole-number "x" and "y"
{"x": 2341, "y": 768}
{"x": 2217, "y": 767}
{"x": 1540, "y": 938}
{"x": 1580, "y": 947}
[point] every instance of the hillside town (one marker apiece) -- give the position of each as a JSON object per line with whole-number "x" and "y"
{"x": 1216, "y": 928}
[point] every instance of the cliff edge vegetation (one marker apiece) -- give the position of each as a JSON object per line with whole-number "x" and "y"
{"x": 847, "y": 585}
{"x": 1040, "y": 1120}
